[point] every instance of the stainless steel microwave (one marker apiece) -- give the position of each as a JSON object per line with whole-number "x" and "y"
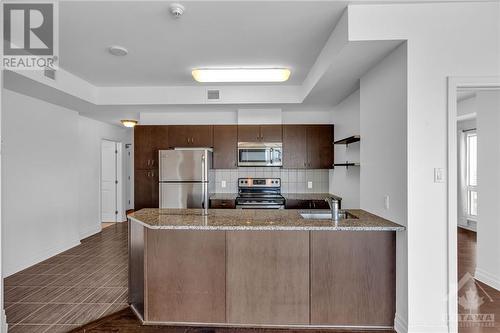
{"x": 260, "y": 154}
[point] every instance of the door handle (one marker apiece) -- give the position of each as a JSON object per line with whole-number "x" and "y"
{"x": 204, "y": 187}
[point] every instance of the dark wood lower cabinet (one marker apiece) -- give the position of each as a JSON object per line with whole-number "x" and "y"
{"x": 185, "y": 276}
{"x": 317, "y": 278}
{"x": 267, "y": 277}
{"x": 306, "y": 204}
{"x": 353, "y": 278}
{"x": 222, "y": 204}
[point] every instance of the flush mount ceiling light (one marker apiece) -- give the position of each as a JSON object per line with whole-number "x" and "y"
{"x": 118, "y": 51}
{"x": 241, "y": 74}
{"x": 129, "y": 122}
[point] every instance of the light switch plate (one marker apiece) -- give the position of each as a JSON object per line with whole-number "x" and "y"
{"x": 223, "y": 184}
{"x": 386, "y": 202}
{"x": 439, "y": 176}
{"x": 309, "y": 184}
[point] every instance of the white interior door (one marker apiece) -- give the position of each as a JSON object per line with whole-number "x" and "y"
{"x": 109, "y": 207}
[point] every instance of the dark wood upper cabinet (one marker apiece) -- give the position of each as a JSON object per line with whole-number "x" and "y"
{"x": 320, "y": 146}
{"x": 225, "y": 147}
{"x": 159, "y": 137}
{"x": 259, "y": 133}
{"x": 271, "y": 133}
{"x": 294, "y": 146}
{"x": 308, "y": 146}
{"x": 190, "y": 136}
{"x": 248, "y": 133}
{"x": 143, "y": 153}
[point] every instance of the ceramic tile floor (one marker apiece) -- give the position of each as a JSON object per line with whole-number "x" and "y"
{"x": 73, "y": 288}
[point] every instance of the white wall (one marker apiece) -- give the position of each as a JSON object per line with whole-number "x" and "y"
{"x": 51, "y": 178}
{"x": 488, "y": 187}
{"x": 383, "y": 154}
{"x": 444, "y": 39}
{"x": 466, "y": 106}
{"x": 219, "y": 117}
{"x": 344, "y": 182}
{"x": 91, "y": 133}
{"x": 39, "y": 180}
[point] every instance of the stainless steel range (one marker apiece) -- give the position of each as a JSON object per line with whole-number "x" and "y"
{"x": 259, "y": 193}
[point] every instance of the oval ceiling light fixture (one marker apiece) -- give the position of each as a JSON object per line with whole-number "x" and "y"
{"x": 241, "y": 74}
{"x": 129, "y": 122}
{"x": 118, "y": 51}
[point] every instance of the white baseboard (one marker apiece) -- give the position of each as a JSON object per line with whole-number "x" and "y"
{"x": 90, "y": 231}
{"x": 5, "y": 327}
{"x": 466, "y": 227}
{"x": 400, "y": 324}
{"x": 428, "y": 329}
{"x": 487, "y": 278}
{"x": 50, "y": 252}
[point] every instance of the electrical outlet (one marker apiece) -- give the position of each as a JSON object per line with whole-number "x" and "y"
{"x": 223, "y": 184}
{"x": 386, "y": 202}
{"x": 309, "y": 184}
{"x": 439, "y": 175}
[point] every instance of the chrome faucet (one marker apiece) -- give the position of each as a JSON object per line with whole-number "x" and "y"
{"x": 334, "y": 206}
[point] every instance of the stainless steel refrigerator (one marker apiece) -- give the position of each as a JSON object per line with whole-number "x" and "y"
{"x": 186, "y": 177}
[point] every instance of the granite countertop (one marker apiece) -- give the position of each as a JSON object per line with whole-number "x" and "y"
{"x": 309, "y": 196}
{"x": 256, "y": 219}
{"x": 294, "y": 196}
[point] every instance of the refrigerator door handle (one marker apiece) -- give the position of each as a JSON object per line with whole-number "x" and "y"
{"x": 204, "y": 205}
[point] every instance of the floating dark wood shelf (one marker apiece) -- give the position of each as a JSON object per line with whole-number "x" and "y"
{"x": 346, "y": 164}
{"x": 346, "y": 141}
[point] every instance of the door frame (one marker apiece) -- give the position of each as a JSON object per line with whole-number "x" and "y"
{"x": 119, "y": 176}
{"x": 455, "y": 84}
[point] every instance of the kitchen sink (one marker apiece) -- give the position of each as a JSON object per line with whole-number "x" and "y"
{"x": 327, "y": 215}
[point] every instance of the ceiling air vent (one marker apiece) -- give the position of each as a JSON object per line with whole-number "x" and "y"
{"x": 50, "y": 73}
{"x": 213, "y": 95}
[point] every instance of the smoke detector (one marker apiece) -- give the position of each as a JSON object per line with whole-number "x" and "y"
{"x": 176, "y": 10}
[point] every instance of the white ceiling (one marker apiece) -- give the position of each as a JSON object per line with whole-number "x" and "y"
{"x": 163, "y": 50}
{"x": 310, "y": 37}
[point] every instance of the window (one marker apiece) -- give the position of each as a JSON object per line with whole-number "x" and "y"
{"x": 471, "y": 148}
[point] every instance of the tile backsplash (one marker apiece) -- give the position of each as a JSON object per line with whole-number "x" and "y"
{"x": 292, "y": 180}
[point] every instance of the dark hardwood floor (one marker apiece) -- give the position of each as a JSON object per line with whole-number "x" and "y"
{"x": 73, "y": 288}
{"x": 479, "y": 304}
{"x": 126, "y": 322}
{"x": 89, "y": 282}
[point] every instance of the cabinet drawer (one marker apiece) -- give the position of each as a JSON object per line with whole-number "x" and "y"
{"x": 222, "y": 204}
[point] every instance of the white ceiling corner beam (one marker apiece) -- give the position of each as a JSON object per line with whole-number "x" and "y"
{"x": 229, "y": 94}
{"x": 65, "y": 82}
{"x": 337, "y": 40}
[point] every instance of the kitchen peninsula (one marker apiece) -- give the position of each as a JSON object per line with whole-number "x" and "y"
{"x": 261, "y": 268}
